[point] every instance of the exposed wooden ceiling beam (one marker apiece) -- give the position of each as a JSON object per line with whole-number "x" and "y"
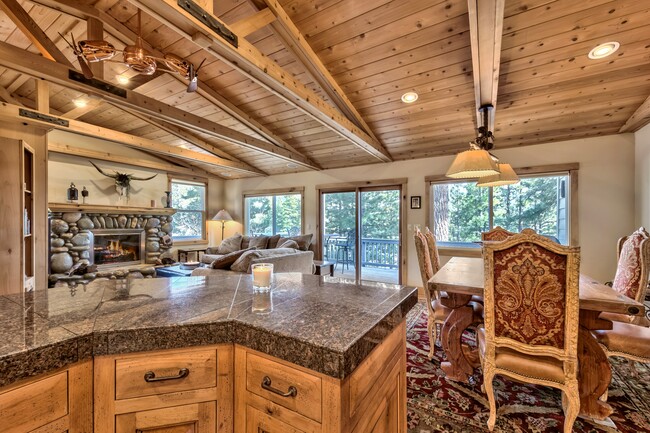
{"x": 107, "y": 156}
{"x": 26, "y": 24}
{"x": 37, "y": 66}
{"x": 638, "y": 119}
{"x": 6, "y": 96}
{"x": 246, "y": 26}
{"x": 95, "y": 32}
{"x": 297, "y": 44}
{"x": 260, "y": 68}
{"x": 120, "y": 31}
{"x": 486, "y": 30}
{"x": 184, "y": 135}
{"x": 11, "y": 112}
{"x": 42, "y": 96}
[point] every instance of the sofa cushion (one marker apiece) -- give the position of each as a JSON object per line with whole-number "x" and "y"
{"x": 224, "y": 261}
{"x": 259, "y": 242}
{"x": 230, "y": 245}
{"x": 273, "y": 241}
{"x": 243, "y": 263}
{"x": 303, "y": 241}
{"x": 245, "y": 241}
{"x": 290, "y": 243}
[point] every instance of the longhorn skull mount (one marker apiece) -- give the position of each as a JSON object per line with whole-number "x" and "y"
{"x": 122, "y": 180}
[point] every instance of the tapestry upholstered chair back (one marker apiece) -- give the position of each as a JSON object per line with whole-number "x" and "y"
{"x": 531, "y": 315}
{"x": 633, "y": 266}
{"x": 496, "y": 234}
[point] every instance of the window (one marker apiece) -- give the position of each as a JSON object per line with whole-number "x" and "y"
{"x": 188, "y": 198}
{"x": 461, "y": 210}
{"x": 273, "y": 213}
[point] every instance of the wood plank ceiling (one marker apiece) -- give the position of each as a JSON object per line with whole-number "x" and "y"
{"x": 375, "y": 51}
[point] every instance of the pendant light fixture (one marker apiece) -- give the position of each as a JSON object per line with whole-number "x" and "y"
{"x": 477, "y": 161}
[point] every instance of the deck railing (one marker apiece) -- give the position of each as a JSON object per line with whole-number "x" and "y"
{"x": 379, "y": 253}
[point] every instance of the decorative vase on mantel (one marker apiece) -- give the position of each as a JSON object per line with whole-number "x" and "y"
{"x": 168, "y": 199}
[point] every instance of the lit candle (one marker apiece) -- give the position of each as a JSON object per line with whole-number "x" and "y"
{"x": 262, "y": 273}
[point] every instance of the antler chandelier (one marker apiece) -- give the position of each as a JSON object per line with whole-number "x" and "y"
{"x": 478, "y": 162}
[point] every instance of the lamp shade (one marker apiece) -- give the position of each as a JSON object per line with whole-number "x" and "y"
{"x": 222, "y": 215}
{"x": 473, "y": 163}
{"x": 506, "y": 177}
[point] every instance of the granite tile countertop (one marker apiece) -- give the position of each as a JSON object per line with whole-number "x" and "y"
{"x": 325, "y": 324}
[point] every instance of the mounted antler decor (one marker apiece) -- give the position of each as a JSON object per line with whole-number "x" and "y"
{"x": 122, "y": 180}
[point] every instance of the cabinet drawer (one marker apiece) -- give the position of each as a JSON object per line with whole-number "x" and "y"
{"x": 259, "y": 422}
{"x": 270, "y": 379}
{"x": 163, "y": 373}
{"x": 34, "y": 405}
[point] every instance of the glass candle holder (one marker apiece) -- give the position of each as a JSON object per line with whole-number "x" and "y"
{"x": 262, "y": 274}
{"x": 262, "y": 302}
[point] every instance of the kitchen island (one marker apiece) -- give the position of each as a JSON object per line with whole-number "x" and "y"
{"x": 206, "y": 354}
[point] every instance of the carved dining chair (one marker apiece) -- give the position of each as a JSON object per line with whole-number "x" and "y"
{"x": 425, "y": 247}
{"x": 531, "y": 317}
{"x": 498, "y": 233}
{"x": 632, "y": 270}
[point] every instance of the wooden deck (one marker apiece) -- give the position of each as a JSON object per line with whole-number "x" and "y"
{"x": 381, "y": 275}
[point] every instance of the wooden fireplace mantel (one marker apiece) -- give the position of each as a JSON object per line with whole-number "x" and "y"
{"x": 97, "y": 208}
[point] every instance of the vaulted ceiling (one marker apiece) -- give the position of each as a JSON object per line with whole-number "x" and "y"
{"x": 316, "y": 84}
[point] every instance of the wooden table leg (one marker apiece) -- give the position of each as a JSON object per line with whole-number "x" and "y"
{"x": 595, "y": 372}
{"x": 457, "y": 366}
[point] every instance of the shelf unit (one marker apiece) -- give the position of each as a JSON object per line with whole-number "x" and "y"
{"x": 28, "y": 216}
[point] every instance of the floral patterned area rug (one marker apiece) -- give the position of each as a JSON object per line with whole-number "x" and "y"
{"x": 436, "y": 405}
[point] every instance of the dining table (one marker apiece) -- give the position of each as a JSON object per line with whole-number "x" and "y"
{"x": 463, "y": 277}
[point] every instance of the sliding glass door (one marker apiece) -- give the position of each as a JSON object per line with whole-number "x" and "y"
{"x": 361, "y": 232}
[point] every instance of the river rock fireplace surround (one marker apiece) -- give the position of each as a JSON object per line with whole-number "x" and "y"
{"x": 109, "y": 237}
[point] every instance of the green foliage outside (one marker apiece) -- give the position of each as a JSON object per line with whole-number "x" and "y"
{"x": 461, "y": 210}
{"x": 189, "y": 202}
{"x": 379, "y": 214}
{"x": 262, "y": 220}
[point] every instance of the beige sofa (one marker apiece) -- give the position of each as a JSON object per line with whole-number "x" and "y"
{"x": 287, "y": 254}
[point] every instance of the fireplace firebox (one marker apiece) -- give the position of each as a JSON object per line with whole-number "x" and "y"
{"x": 118, "y": 247}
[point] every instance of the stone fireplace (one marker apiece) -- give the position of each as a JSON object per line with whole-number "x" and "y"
{"x": 109, "y": 237}
{"x": 118, "y": 247}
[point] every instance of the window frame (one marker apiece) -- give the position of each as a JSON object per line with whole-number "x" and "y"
{"x": 570, "y": 169}
{"x": 274, "y": 192}
{"x": 204, "y": 212}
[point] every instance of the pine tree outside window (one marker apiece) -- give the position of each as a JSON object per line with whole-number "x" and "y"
{"x": 273, "y": 213}
{"x": 189, "y": 200}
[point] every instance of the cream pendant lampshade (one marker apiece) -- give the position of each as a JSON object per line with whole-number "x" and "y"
{"x": 506, "y": 177}
{"x": 473, "y": 163}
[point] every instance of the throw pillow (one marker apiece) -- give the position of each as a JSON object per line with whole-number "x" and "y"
{"x": 259, "y": 242}
{"x": 303, "y": 241}
{"x": 245, "y": 240}
{"x": 230, "y": 245}
{"x": 243, "y": 263}
{"x": 290, "y": 243}
{"x": 226, "y": 260}
{"x": 273, "y": 241}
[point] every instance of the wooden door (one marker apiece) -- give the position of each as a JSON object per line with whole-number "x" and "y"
{"x": 11, "y": 216}
{"x": 191, "y": 418}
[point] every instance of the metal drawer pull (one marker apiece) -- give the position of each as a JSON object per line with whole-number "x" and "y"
{"x": 266, "y": 384}
{"x": 150, "y": 376}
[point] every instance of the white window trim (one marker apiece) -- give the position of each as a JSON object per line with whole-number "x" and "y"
{"x": 570, "y": 168}
{"x": 204, "y": 232}
{"x": 275, "y": 192}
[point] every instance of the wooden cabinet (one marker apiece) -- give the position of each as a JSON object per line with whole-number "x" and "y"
{"x": 59, "y": 402}
{"x": 171, "y": 391}
{"x": 272, "y": 395}
{"x": 16, "y": 216}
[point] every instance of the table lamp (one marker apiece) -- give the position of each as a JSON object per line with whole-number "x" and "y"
{"x": 222, "y": 216}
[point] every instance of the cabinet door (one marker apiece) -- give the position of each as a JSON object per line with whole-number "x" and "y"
{"x": 259, "y": 422}
{"x": 191, "y": 418}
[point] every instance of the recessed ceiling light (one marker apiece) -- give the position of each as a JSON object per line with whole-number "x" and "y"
{"x": 122, "y": 79}
{"x": 409, "y": 97}
{"x": 292, "y": 165}
{"x": 604, "y": 50}
{"x": 226, "y": 174}
{"x": 80, "y": 102}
